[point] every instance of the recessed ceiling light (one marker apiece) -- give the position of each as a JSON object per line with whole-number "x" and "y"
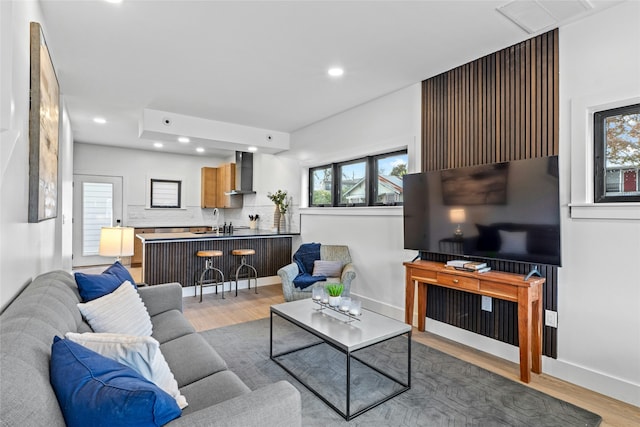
{"x": 157, "y": 144}
{"x": 335, "y": 72}
{"x": 100, "y": 120}
{"x": 252, "y": 149}
{"x": 200, "y": 150}
{"x": 184, "y": 139}
{"x": 113, "y": 1}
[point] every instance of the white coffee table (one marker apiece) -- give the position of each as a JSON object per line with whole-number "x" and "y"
{"x": 333, "y": 329}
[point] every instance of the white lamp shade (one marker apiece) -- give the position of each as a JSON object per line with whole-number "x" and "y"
{"x": 457, "y": 216}
{"x": 116, "y": 241}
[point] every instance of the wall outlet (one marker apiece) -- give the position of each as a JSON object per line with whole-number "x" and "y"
{"x": 487, "y": 303}
{"x": 551, "y": 318}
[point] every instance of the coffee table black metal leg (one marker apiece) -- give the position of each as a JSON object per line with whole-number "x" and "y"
{"x": 348, "y": 411}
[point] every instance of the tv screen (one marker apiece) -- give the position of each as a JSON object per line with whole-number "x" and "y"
{"x": 508, "y": 211}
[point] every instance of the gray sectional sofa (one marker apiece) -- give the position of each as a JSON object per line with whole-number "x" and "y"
{"x": 47, "y": 307}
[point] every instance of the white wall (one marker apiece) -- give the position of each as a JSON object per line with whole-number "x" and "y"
{"x": 599, "y": 285}
{"x": 374, "y": 235}
{"x": 137, "y": 167}
{"x": 26, "y": 250}
{"x": 598, "y": 350}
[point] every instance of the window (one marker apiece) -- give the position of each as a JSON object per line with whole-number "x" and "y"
{"x": 165, "y": 194}
{"x": 321, "y": 185}
{"x": 352, "y": 187}
{"x": 369, "y": 181}
{"x": 617, "y": 155}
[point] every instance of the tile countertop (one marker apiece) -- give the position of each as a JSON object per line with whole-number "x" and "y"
{"x": 237, "y": 234}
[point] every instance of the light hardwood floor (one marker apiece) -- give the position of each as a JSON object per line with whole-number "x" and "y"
{"x": 215, "y": 312}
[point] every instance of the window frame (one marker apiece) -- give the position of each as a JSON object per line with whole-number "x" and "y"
{"x": 178, "y": 204}
{"x": 311, "y": 172}
{"x": 600, "y": 159}
{"x": 371, "y": 173}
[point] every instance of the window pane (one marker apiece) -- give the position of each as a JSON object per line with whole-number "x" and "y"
{"x": 353, "y": 184}
{"x": 390, "y": 170}
{"x": 97, "y": 212}
{"x": 321, "y": 184}
{"x": 165, "y": 194}
{"x": 620, "y": 139}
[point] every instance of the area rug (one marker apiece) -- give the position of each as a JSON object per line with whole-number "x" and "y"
{"x": 445, "y": 391}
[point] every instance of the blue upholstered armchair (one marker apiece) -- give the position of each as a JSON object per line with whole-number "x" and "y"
{"x": 327, "y": 253}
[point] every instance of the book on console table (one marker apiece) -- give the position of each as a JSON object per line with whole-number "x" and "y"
{"x": 467, "y": 265}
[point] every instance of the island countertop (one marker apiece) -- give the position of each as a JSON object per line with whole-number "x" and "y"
{"x": 241, "y": 233}
{"x": 172, "y": 257}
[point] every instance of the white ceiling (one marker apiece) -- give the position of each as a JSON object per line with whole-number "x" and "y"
{"x": 257, "y": 63}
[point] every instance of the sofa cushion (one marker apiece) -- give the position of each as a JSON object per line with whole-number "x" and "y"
{"x": 141, "y": 354}
{"x": 92, "y": 286}
{"x": 191, "y": 358}
{"x": 170, "y": 325}
{"x": 121, "y": 311}
{"x": 227, "y": 386}
{"x": 95, "y": 390}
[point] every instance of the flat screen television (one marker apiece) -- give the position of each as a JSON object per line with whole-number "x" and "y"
{"x": 506, "y": 211}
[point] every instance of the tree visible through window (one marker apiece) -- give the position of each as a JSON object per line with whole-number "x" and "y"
{"x": 368, "y": 181}
{"x": 617, "y": 154}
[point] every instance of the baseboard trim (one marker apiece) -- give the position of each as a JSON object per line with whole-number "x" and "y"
{"x": 598, "y": 382}
{"x": 242, "y": 284}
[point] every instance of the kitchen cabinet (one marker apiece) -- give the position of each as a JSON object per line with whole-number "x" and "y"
{"x": 215, "y": 182}
{"x": 136, "y": 259}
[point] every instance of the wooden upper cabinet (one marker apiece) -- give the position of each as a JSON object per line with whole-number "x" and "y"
{"x": 215, "y": 183}
{"x": 208, "y": 187}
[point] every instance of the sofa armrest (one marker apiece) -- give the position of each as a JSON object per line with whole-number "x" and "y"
{"x": 276, "y": 404}
{"x": 287, "y": 274}
{"x": 161, "y": 298}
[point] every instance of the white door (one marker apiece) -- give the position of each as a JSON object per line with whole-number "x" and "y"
{"x": 97, "y": 203}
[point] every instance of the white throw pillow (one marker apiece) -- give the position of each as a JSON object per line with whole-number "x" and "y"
{"x": 139, "y": 353}
{"x": 513, "y": 242}
{"x": 121, "y": 312}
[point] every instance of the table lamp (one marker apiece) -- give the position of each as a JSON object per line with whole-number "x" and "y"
{"x": 116, "y": 241}
{"x": 457, "y": 216}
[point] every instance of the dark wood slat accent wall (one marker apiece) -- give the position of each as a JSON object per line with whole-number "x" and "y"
{"x": 176, "y": 261}
{"x": 501, "y": 107}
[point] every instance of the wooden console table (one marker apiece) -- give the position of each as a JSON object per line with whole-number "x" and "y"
{"x": 496, "y": 284}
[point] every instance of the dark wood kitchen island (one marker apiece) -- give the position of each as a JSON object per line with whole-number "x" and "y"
{"x": 171, "y": 257}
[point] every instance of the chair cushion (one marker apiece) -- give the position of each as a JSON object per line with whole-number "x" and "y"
{"x": 95, "y": 390}
{"x": 327, "y": 268}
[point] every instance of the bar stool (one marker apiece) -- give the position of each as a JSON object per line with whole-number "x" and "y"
{"x": 243, "y": 264}
{"x": 210, "y": 255}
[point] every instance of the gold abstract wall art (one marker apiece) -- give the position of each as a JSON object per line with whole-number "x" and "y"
{"x": 44, "y": 114}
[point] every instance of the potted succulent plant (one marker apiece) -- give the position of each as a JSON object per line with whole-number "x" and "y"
{"x": 334, "y": 290}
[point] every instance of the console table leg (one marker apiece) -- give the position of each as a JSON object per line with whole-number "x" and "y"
{"x": 409, "y": 300}
{"x": 524, "y": 333}
{"x": 422, "y": 306}
{"x": 536, "y": 339}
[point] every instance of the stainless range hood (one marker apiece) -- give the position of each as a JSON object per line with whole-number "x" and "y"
{"x": 244, "y": 174}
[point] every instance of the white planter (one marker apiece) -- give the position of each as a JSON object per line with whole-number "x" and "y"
{"x": 334, "y": 301}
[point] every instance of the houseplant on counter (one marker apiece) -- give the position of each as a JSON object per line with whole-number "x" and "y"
{"x": 282, "y": 204}
{"x": 334, "y": 290}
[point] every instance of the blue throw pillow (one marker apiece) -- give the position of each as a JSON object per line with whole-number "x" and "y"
{"x": 121, "y": 272}
{"x": 97, "y": 391}
{"x": 92, "y": 286}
